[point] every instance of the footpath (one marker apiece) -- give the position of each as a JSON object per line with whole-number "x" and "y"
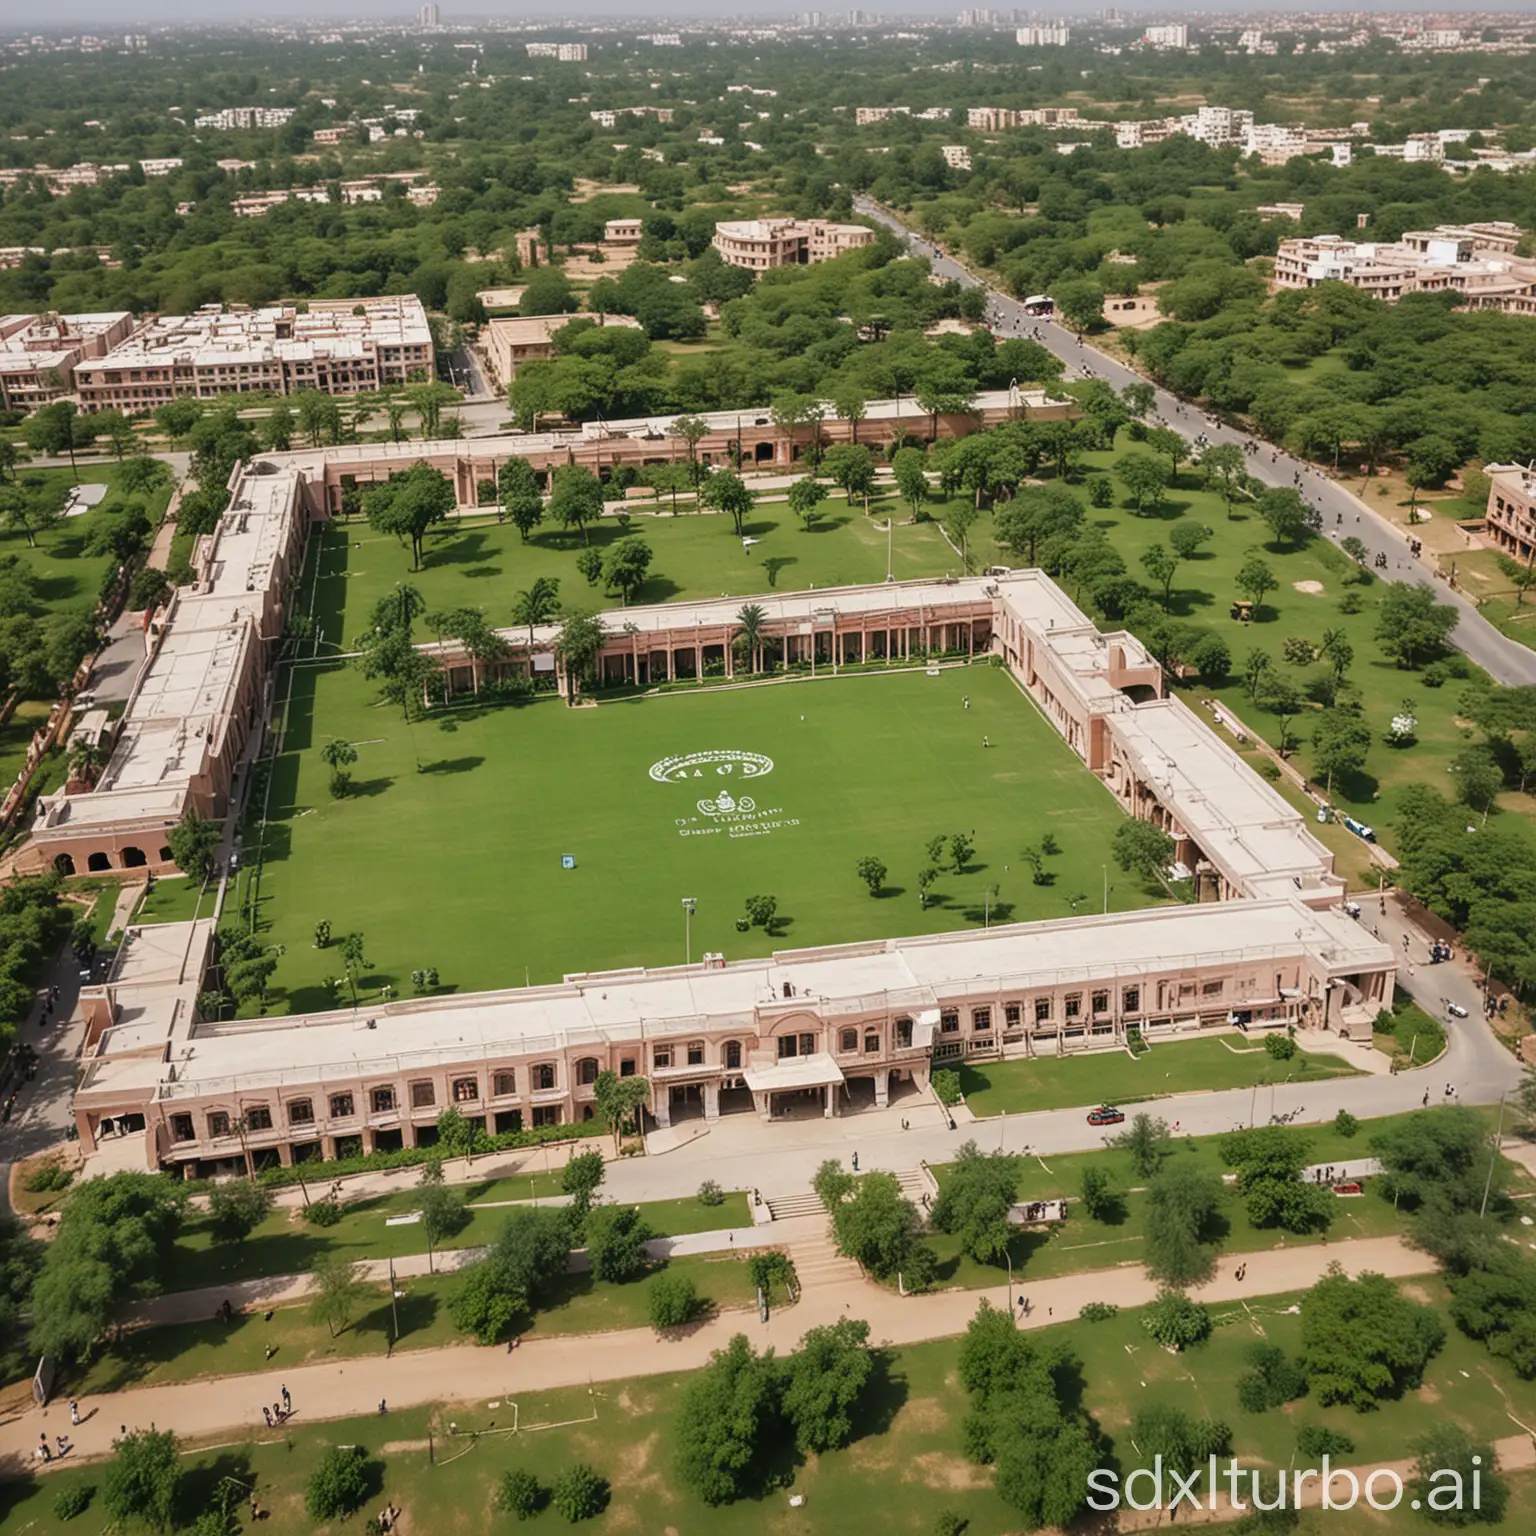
{"x": 229, "y": 1407}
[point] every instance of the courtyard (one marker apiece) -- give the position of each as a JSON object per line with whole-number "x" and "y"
{"x": 449, "y": 851}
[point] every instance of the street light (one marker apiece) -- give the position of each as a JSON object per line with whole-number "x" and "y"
{"x": 689, "y": 905}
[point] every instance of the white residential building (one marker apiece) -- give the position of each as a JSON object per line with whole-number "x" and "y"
{"x": 231, "y": 118}
{"x": 1050, "y": 35}
{"x": 1174, "y": 37}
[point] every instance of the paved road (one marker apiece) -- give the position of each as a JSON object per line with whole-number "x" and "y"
{"x": 1344, "y": 514}
{"x": 464, "y": 1374}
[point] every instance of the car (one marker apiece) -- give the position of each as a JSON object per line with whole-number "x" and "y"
{"x": 1106, "y": 1114}
{"x": 1455, "y": 1010}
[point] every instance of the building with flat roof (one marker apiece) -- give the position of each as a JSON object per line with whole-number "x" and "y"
{"x": 1476, "y": 260}
{"x": 39, "y": 353}
{"x": 761, "y": 244}
{"x": 1511, "y": 518}
{"x": 512, "y": 341}
{"x": 337, "y": 346}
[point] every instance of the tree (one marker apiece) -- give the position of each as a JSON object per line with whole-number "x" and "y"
{"x": 410, "y": 504}
{"x": 805, "y": 498}
{"x": 851, "y": 406}
{"x": 1271, "y": 1381}
{"x": 761, "y": 911}
{"x": 872, "y": 872}
{"x": 537, "y": 604}
{"x": 1286, "y": 514}
{"x": 1411, "y": 625}
{"x": 1145, "y": 478}
{"x": 1269, "y": 1165}
{"x": 1341, "y": 742}
{"x": 752, "y": 619}
{"x": 193, "y": 841}
{"x": 726, "y": 1413}
{"x": 354, "y": 960}
{"x": 1479, "y": 778}
{"x": 826, "y": 1377}
{"x": 148, "y": 589}
{"x": 143, "y": 1479}
{"x": 877, "y": 1227}
{"x": 1211, "y": 656}
{"x": 1362, "y": 1341}
{"x": 1173, "y": 446}
{"x": 1036, "y": 514}
{"x": 1160, "y": 564}
{"x": 1456, "y": 1481}
{"x": 693, "y": 430}
{"x": 624, "y": 568}
{"x": 520, "y": 1494}
{"x": 579, "y": 1493}
{"x": 577, "y": 647}
{"x": 1182, "y": 1203}
{"x": 442, "y": 1207}
{"x": 340, "y": 1289}
{"x": 832, "y": 1184}
{"x": 1429, "y": 460}
{"x": 237, "y": 1208}
{"x": 961, "y": 849}
{"x": 1186, "y": 536}
{"x": 1175, "y": 1321}
{"x": 911, "y": 472}
{"x": 1521, "y": 574}
{"x": 850, "y": 466}
{"x": 673, "y": 1301}
{"x": 532, "y": 1252}
{"x": 1255, "y": 581}
{"x": 727, "y": 492}
{"x": 575, "y": 498}
{"x": 581, "y": 1178}
{"x": 1080, "y": 302}
{"x": 339, "y": 1485}
{"x": 58, "y": 429}
{"x": 1436, "y": 1161}
{"x": 10, "y": 457}
{"x": 1140, "y": 848}
{"x": 338, "y": 755}
{"x": 518, "y": 486}
{"x": 1100, "y": 1198}
{"x": 617, "y": 1100}
{"x": 26, "y": 514}
{"x": 616, "y": 1238}
{"x": 1224, "y": 463}
{"x": 974, "y": 1202}
{"x": 1139, "y": 399}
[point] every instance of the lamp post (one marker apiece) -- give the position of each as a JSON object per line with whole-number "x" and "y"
{"x": 689, "y": 904}
{"x": 1493, "y": 1157}
{"x": 890, "y": 525}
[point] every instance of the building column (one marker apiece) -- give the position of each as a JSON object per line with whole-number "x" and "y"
{"x": 285, "y": 1154}
{"x": 883, "y": 1088}
{"x": 711, "y": 1101}
{"x": 828, "y": 1102}
{"x": 671, "y": 661}
{"x": 663, "y": 1110}
{"x": 763, "y": 1104}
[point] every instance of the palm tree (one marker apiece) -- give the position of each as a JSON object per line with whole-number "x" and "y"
{"x": 752, "y": 619}
{"x": 85, "y": 757}
{"x": 537, "y": 604}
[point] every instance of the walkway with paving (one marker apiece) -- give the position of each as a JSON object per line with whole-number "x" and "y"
{"x": 230, "y": 1406}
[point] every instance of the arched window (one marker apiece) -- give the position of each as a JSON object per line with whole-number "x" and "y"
{"x": 97, "y": 862}
{"x": 64, "y": 864}
{"x": 133, "y": 858}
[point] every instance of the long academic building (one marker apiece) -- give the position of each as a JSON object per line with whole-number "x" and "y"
{"x": 831, "y": 1030}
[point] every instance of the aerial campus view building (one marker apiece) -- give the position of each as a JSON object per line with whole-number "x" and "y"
{"x": 824, "y": 1030}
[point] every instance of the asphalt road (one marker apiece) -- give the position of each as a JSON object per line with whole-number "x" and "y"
{"x": 1344, "y": 514}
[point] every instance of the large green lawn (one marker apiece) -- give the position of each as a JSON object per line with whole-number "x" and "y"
{"x": 1116, "y": 1077}
{"x": 448, "y": 853}
{"x": 477, "y": 562}
{"x": 906, "y": 1464}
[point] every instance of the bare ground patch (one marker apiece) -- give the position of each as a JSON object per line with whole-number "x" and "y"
{"x": 922, "y": 1415}
{"x": 940, "y": 1469}
{"x": 1311, "y": 588}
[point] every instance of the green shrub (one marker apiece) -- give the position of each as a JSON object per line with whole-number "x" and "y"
{"x": 1280, "y": 1046}
{"x": 949, "y": 1523}
{"x": 339, "y": 1485}
{"x": 521, "y": 1494}
{"x": 1098, "y": 1311}
{"x": 322, "y": 1213}
{"x": 74, "y": 1500}
{"x": 946, "y": 1085}
{"x": 1316, "y": 1440}
{"x": 580, "y": 1493}
{"x": 711, "y": 1194}
{"x": 1345, "y": 1123}
{"x": 673, "y": 1301}
{"x": 49, "y": 1176}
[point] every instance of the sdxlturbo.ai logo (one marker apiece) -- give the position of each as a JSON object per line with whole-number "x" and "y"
{"x": 1164, "y": 1487}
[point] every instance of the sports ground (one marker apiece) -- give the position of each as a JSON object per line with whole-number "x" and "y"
{"x": 449, "y": 851}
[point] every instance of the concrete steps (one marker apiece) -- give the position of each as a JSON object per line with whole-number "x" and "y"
{"x": 783, "y": 1207}
{"x": 914, "y": 1185}
{"x": 818, "y": 1263}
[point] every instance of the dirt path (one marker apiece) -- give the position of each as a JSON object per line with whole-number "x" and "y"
{"x": 231, "y": 1406}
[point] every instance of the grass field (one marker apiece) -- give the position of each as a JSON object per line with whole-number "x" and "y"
{"x": 286, "y": 1245}
{"x": 463, "y": 854}
{"x": 907, "y": 1463}
{"x": 175, "y": 899}
{"x": 1116, "y": 1077}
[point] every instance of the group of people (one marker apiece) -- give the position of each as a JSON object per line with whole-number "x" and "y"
{"x": 280, "y": 1412}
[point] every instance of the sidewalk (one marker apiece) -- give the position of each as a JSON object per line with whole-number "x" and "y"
{"x": 229, "y": 1407}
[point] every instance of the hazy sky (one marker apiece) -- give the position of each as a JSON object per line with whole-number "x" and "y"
{"x": 27, "y": 14}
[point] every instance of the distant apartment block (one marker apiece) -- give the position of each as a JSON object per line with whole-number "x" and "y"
{"x": 1274, "y": 143}
{"x": 337, "y": 346}
{"x": 231, "y": 118}
{"x": 1476, "y": 260}
{"x": 1217, "y": 126}
{"x": 609, "y": 117}
{"x": 510, "y": 343}
{"x": 956, "y": 156}
{"x": 1512, "y": 508}
{"x": 566, "y": 53}
{"x": 1292, "y": 211}
{"x": 761, "y": 244}
{"x": 1166, "y": 37}
{"x": 999, "y": 119}
{"x": 1048, "y": 36}
{"x": 156, "y": 168}
{"x": 39, "y": 353}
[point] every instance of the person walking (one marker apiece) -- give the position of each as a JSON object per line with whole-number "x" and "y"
{"x": 266, "y": 1413}
{"x": 74, "y": 1412}
{"x": 287, "y": 1401}
{"x": 43, "y": 1447}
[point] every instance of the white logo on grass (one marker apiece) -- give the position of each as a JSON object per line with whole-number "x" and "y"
{"x": 698, "y": 765}
{"x": 724, "y": 805}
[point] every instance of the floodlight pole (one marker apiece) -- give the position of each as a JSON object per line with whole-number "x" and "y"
{"x": 1493, "y": 1156}
{"x": 689, "y": 904}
